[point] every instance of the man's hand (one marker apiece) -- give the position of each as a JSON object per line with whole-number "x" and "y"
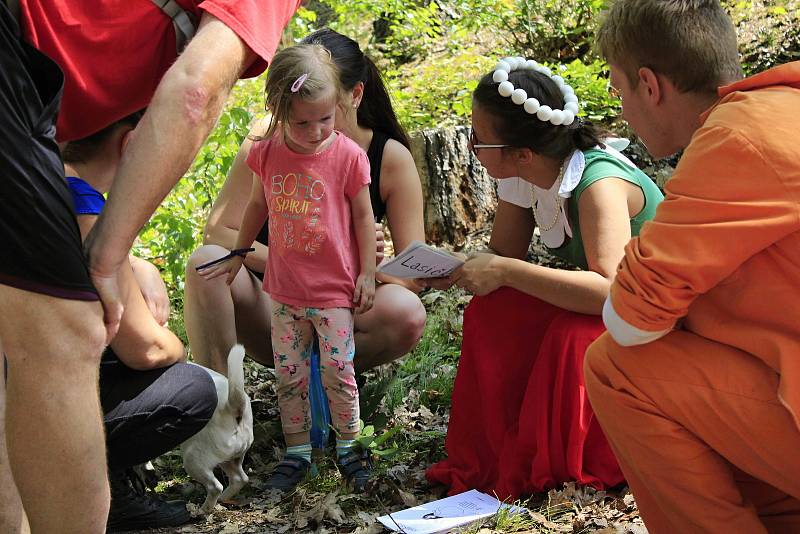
{"x": 105, "y": 277}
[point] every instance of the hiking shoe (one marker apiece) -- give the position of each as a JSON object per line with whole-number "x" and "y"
{"x": 354, "y": 467}
{"x": 136, "y": 509}
{"x": 288, "y": 473}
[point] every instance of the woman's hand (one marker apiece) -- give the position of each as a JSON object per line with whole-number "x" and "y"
{"x": 380, "y": 240}
{"x": 443, "y": 284}
{"x": 481, "y": 274}
{"x": 153, "y": 288}
{"x": 364, "y": 294}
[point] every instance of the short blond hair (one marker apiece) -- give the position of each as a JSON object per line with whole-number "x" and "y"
{"x": 691, "y": 42}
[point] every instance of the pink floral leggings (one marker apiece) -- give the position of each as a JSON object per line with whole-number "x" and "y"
{"x": 292, "y": 328}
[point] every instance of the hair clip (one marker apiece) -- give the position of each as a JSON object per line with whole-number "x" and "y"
{"x": 298, "y": 83}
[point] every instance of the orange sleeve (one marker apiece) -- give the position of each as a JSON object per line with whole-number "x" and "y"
{"x": 724, "y": 204}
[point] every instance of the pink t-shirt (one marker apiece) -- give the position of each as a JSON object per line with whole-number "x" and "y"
{"x": 313, "y": 253}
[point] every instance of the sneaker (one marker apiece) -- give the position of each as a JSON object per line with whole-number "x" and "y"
{"x": 288, "y": 473}
{"x": 354, "y": 467}
{"x": 136, "y": 509}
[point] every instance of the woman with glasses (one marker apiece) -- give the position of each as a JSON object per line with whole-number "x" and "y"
{"x": 520, "y": 420}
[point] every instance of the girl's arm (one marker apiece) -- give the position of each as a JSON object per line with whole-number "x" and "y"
{"x": 401, "y": 190}
{"x": 141, "y": 342}
{"x": 605, "y": 227}
{"x": 224, "y": 221}
{"x": 364, "y": 225}
{"x": 253, "y": 219}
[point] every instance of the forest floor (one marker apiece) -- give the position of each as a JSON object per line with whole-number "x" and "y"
{"x": 406, "y": 407}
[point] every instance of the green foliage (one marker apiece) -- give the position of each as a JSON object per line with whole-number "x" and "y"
{"x": 382, "y": 446}
{"x": 176, "y": 228}
{"x": 435, "y": 51}
{"x": 550, "y": 30}
{"x": 404, "y": 29}
{"x": 437, "y": 94}
{"x": 768, "y": 32}
{"x": 430, "y": 369}
{"x": 590, "y": 81}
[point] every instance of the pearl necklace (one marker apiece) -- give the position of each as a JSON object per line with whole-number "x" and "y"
{"x": 557, "y": 185}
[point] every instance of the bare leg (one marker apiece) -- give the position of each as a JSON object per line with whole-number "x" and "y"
{"x": 54, "y": 429}
{"x": 391, "y": 329}
{"x": 12, "y": 517}
{"x": 218, "y": 316}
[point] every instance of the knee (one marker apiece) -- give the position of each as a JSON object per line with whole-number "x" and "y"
{"x": 82, "y": 339}
{"x": 595, "y": 360}
{"x": 204, "y": 254}
{"x": 406, "y": 317}
{"x": 194, "y": 392}
{"x": 603, "y": 368}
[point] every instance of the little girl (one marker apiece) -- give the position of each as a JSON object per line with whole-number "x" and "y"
{"x": 312, "y": 183}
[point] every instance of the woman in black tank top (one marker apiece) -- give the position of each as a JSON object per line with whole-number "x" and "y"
{"x": 217, "y": 315}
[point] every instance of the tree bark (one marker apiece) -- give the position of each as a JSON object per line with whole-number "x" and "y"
{"x": 459, "y": 196}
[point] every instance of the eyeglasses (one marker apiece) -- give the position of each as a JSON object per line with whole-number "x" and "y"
{"x": 475, "y": 145}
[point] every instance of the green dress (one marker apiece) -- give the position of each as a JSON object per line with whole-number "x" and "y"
{"x": 601, "y": 165}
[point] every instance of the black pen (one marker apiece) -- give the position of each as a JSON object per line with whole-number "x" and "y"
{"x": 237, "y": 252}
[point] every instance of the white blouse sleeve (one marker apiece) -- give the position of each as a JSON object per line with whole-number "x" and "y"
{"x": 515, "y": 191}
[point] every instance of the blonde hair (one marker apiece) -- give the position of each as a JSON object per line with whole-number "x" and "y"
{"x": 284, "y": 72}
{"x": 691, "y": 42}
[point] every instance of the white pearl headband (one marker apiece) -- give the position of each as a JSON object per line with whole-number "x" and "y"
{"x": 532, "y": 106}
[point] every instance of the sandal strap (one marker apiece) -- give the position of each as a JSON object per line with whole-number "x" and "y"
{"x": 289, "y": 466}
{"x": 351, "y": 464}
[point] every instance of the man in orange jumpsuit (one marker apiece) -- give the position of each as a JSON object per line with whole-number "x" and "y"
{"x": 697, "y": 381}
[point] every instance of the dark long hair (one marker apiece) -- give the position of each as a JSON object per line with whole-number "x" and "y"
{"x": 518, "y": 128}
{"x": 376, "y": 110}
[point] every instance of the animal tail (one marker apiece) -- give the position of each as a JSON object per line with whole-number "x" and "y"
{"x": 236, "y": 394}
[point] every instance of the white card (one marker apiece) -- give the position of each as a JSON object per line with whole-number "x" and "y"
{"x": 419, "y": 260}
{"x": 445, "y": 514}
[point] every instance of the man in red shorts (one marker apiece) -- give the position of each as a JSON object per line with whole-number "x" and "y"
{"x": 114, "y": 58}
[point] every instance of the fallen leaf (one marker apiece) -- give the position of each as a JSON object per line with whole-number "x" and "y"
{"x": 367, "y": 519}
{"x": 229, "y": 528}
{"x": 538, "y": 517}
{"x": 408, "y": 499}
{"x": 371, "y": 529}
{"x": 335, "y": 513}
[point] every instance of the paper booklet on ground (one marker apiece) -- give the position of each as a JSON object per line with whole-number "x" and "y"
{"x": 419, "y": 260}
{"x": 446, "y": 514}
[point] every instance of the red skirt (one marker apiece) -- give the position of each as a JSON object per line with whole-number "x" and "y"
{"x": 520, "y": 420}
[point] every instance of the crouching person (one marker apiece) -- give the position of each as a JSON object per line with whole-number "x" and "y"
{"x": 151, "y": 400}
{"x": 697, "y": 382}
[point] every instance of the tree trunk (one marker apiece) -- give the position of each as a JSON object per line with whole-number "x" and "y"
{"x": 459, "y": 196}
